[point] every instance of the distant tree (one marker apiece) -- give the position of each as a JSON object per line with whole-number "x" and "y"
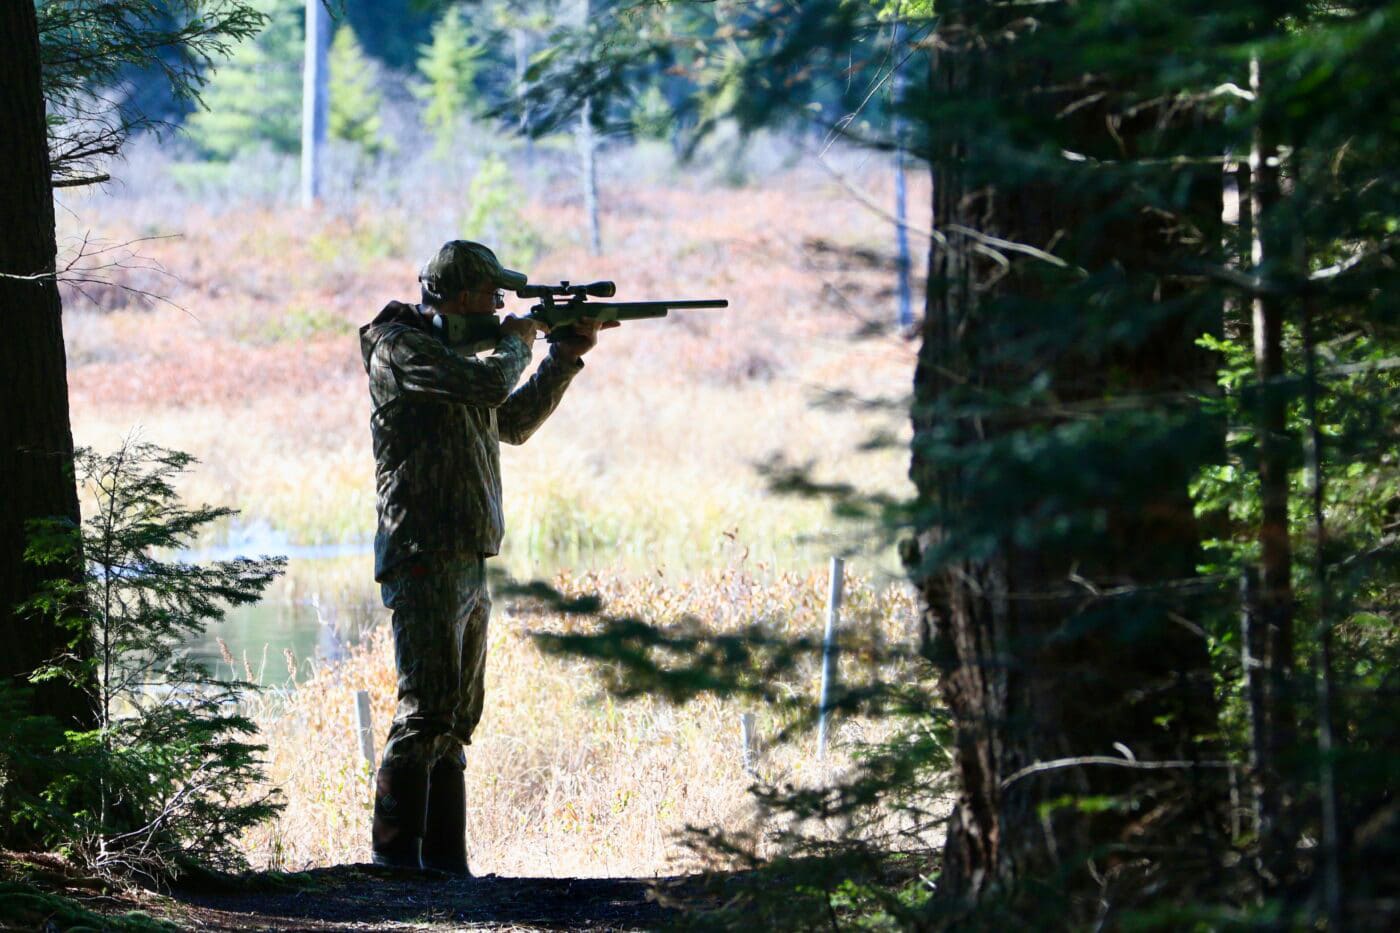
{"x": 652, "y": 116}
{"x": 90, "y": 46}
{"x": 355, "y": 96}
{"x": 495, "y": 214}
{"x": 254, "y": 99}
{"x": 448, "y": 66}
{"x": 315, "y": 99}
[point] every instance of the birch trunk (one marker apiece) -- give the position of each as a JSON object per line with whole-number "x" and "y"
{"x": 588, "y": 158}
{"x": 315, "y": 102}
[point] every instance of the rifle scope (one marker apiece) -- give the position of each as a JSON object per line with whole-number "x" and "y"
{"x": 564, "y": 289}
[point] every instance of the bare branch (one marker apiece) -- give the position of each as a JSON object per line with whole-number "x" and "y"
{"x": 1109, "y": 761}
{"x": 76, "y": 273}
{"x": 79, "y": 182}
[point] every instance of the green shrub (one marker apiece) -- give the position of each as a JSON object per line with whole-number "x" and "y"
{"x": 301, "y": 323}
{"x": 495, "y": 216}
{"x": 162, "y": 782}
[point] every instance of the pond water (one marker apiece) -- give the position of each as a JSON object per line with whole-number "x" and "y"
{"x": 327, "y": 601}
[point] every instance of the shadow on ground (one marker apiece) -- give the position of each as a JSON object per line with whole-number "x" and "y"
{"x": 366, "y": 897}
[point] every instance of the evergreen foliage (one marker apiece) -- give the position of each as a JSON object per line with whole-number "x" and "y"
{"x": 354, "y": 93}
{"x": 652, "y": 116}
{"x": 448, "y": 66}
{"x": 254, "y": 98}
{"x": 1129, "y": 398}
{"x": 88, "y": 45}
{"x": 714, "y": 63}
{"x": 27, "y": 905}
{"x": 165, "y": 779}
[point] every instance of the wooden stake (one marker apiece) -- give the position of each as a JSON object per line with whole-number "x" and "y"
{"x": 829, "y": 651}
{"x": 746, "y": 732}
{"x": 364, "y": 726}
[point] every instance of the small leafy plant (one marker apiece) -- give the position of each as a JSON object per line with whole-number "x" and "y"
{"x": 162, "y": 782}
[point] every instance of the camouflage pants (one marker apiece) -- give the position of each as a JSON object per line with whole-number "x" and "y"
{"x": 440, "y": 617}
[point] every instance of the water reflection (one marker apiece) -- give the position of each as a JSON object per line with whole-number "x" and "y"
{"x": 258, "y": 638}
{"x": 327, "y": 601}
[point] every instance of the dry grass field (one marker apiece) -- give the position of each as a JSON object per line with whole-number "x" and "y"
{"x": 650, "y": 469}
{"x": 563, "y": 779}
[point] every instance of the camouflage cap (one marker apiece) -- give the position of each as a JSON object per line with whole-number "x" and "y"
{"x": 461, "y": 263}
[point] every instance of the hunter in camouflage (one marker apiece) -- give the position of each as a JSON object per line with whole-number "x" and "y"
{"x": 437, "y": 419}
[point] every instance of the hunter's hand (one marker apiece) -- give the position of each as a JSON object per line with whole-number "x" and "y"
{"x": 577, "y": 339}
{"x": 522, "y": 327}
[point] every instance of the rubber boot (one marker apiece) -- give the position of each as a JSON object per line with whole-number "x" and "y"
{"x": 400, "y": 807}
{"x": 445, "y": 833}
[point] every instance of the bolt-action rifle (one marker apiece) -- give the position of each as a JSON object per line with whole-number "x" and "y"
{"x": 478, "y": 333}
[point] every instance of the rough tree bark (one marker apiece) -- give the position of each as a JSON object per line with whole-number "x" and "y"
{"x": 36, "y": 446}
{"x": 1272, "y": 630}
{"x": 1047, "y": 655}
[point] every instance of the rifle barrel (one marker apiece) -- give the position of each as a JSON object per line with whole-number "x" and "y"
{"x": 692, "y": 303}
{"x": 558, "y": 315}
{"x": 678, "y": 305}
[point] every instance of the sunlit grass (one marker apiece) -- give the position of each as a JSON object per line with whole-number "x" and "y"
{"x": 671, "y": 478}
{"x": 562, "y": 778}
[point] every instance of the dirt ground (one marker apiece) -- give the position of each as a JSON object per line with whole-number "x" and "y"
{"x": 44, "y": 892}
{"x": 365, "y": 897}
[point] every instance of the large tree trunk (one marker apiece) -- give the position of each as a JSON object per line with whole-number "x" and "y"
{"x": 1059, "y": 647}
{"x": 1272, "y": 617}
{"x": 36, "y": 446}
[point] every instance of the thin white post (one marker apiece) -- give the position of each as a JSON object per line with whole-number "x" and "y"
{"x": 522, "y": 63}
{"x": 588, "y": 158}
{"x": 364, "y": 726}
{"x": 315, "y": 106}
{"x": 901, "y": 230}
{"x": 829, "y": 651}
{"x": 746, "y": 733}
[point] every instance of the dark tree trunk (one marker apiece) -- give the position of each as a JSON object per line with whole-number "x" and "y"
{"x": 37, "y": 443}
{"x": 1273, "y": 615}
{"x": 1055, "y": 652}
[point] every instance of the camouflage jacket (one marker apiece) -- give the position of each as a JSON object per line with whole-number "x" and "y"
{"x": 437, "y": 420}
